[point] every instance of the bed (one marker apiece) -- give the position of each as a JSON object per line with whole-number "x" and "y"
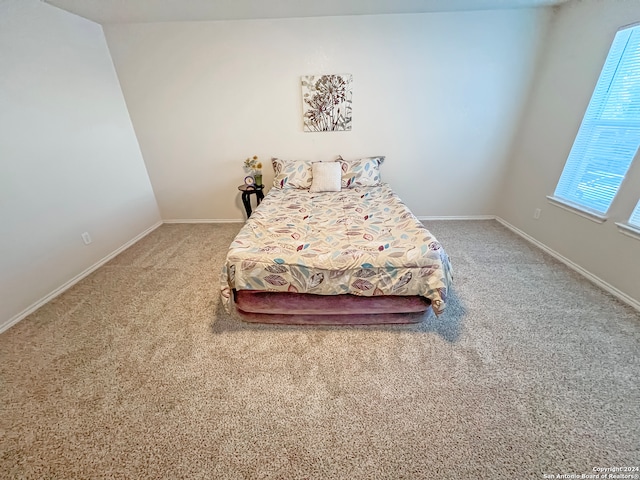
{"x": 337, "y": 251}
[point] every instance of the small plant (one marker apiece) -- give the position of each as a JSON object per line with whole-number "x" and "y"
{"x": 252, "y": 164}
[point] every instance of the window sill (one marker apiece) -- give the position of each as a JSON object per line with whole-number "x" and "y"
{"x": 628, "y": 230}
{"x": 577, "y": 209}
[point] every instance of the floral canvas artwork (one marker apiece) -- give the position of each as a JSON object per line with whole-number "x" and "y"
{"x": 326, "y": 102}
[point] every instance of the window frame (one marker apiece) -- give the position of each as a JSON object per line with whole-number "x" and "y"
{"x": 629, "y": 228}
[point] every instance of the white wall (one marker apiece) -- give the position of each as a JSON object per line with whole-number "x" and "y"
{"x": 69, "y": 159}
{"x": 575, "y": 51}
{"x": 438, "y": 94}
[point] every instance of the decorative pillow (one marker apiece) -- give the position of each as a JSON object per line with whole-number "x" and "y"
{"x": 291, "y": 173}
{"x": 326, "y": 177}
{"x": 364, "y": 172}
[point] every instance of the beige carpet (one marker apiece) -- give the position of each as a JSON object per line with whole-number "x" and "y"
{"x": 137, "y": 372}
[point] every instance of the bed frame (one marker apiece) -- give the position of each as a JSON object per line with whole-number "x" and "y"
{"x": 308, "y": 309}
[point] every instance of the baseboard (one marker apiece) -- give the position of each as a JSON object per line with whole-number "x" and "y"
{"x": 620, "y": 295}
{"x": 462, "y": 217}
{"x": 204, "y": 220}
{"x": 32, "y": 308}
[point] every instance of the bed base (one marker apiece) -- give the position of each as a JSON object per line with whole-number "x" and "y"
{"x": 308, "y": 309}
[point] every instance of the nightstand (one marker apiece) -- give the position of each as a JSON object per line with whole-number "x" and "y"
{"x": 247, "y": 191}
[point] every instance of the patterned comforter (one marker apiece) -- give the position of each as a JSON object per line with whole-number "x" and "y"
{"x": 363, "y": 241}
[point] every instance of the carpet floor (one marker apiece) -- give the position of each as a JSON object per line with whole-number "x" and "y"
{"x": 137, "y": 372}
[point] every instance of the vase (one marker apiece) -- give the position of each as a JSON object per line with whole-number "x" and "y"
{"x": 258, "y": 178}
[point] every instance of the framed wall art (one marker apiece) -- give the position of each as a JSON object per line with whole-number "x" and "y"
{"x": 326, "y": 102}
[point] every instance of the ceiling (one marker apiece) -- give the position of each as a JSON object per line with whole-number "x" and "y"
{"x": 141, "y": 11}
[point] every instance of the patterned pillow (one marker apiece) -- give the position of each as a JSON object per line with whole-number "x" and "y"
{"x": 291, "y": 173}
{"x": 364, "y": 172}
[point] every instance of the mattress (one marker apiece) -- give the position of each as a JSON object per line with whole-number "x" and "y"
{"x": 360, "y": 241}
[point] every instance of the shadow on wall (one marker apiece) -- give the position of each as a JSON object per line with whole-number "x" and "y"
{"x": 448, "y": 326}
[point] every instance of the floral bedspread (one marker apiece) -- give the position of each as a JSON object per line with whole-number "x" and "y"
{"x": 363, "y": 241}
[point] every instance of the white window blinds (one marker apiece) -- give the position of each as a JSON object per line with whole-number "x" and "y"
{"x": 610, "y": 131}
{"x": 634, "y": 221}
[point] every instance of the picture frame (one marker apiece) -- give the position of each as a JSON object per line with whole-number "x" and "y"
{"x": 327, "y": 102}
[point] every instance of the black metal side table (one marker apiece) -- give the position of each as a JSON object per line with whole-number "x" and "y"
{"x": 247, "y": 191}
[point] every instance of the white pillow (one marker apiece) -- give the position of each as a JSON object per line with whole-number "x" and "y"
{"x": 327, "y": 177}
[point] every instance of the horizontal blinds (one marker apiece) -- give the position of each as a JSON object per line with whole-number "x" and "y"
{"x": 609, "y": 135}
{"x": 635, "y": 217}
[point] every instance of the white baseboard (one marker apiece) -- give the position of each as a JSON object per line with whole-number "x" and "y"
{"x": 574, "y": 266}
{"x": 32, "y": 308}
{"x": 462, "y": 217}
{"x": 204, "y": 220}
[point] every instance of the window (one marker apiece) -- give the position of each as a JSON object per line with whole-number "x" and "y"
{"x": 609, "y": 134}
{"x": 632, "y": 227}
{"x": 634, "y": 221}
